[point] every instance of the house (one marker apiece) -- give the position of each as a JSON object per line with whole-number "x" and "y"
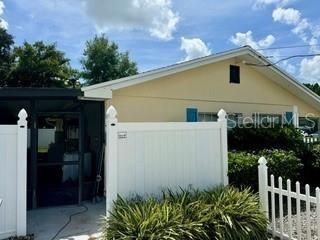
{"x": 242, "y": 81}
{"x": 65, "y": 135}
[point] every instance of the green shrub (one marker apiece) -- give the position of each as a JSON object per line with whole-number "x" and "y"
{"x": 243, "y": 166}
{"x": 252, "y": 138}
{"x": 311, "y": 162}
{"x": 315, "y": 151}
{"x": 221, "y": 213}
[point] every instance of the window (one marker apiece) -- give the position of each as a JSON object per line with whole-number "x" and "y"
{"x": 207, "y": 117}
{"x": 234, "y": 119}
{"x": 264, "y": 118}
{"x": 234, "y": 74}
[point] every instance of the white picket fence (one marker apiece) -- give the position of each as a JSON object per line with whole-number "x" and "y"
{"x": 13, "y": 178}
{"x": 292, "y": 215}
{"x": 146, "y": 158}
{"x": 311, "y": 139}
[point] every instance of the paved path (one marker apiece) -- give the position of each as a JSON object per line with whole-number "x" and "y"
{"x": 44, "y": 223}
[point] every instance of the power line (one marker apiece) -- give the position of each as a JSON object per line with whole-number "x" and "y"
{"x": 288, "y": 47}
{"x": 283, "y": 59}
{"x": 285, "y": 56}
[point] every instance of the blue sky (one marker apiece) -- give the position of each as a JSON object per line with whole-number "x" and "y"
{"x": 162, "y": 32}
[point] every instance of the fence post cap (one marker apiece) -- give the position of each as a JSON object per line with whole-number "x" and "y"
{"x": 222, "y": 114}
{"x": 22, "y": 114}
{"x": 111, "y": 112}
{"x": 262, "y": 161}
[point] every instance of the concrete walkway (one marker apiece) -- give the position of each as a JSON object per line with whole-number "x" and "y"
{"x": 44, "y": 223}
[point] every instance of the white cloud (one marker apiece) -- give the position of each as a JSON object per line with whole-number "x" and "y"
{"x": 267, "y": 42}
{"x": 314, "y": 45}
{"x": 310, "y": 69}
{"x": 307, "y": 31}
{"x": 1, "y": 7}
{"x": 194, "y": 48}
{"x": 262, "y": 3}
{"x": 287, "y": 16}
{"x": 155, "y": 16}
{"x": 290, "y": 68}
{"x": 302, "y": 28}
{"x": 3, "y": 23}
{"x": 242, "y": 39}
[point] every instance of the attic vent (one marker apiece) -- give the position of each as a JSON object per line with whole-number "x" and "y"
{"x": 234, "y": 74}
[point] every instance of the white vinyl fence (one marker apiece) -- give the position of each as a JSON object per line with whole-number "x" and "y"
{"x": 311, "y": 139}
{"x": 146, "y": 158}
{"x": 13, "y": 179}
{"x": 292, "y": 215}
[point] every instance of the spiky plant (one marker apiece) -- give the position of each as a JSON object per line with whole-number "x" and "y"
{"x": 148, "y": 220}
{"x": 219, "y": 213}
{"x": 233, "y": 214}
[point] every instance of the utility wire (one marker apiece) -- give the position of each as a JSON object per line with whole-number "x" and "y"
{"x": 288, "y": 47}
{"x": 283, "y": 59}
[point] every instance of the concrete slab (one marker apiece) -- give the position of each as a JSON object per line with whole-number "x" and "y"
{"x": 44, "y": 223}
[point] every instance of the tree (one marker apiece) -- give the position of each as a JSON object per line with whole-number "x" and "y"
{"x": 39, "y": 65}
{"x": 314, "y": 87}
{"x": 6, "y": 43}
{"x": 102, "y": 61}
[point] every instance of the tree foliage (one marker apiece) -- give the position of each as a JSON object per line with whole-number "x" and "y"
{"x": 39, "y": 65}
{"x": 102, "y": 61}
{"x": 6, "y": 43}
{"x": 314, "y": 87}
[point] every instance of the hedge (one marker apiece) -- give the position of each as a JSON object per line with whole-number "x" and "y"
{"x": 250, "y": 138}
{"x": 243, "y": 166}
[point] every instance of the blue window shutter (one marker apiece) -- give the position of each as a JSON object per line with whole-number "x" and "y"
{"x": 192, "y": 115}
{"x": 289, "y": 117}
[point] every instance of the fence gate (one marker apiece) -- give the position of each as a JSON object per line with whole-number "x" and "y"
{"x": 13, "y": 180}
{"x": 146, "y": 158}
{"x": 292, "y": 214}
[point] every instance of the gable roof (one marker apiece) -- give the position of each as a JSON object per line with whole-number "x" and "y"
{"x": 244, "y": 54}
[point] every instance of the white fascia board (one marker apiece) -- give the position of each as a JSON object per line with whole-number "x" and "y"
{"x": 165, "y": 71}
{"x": 170, "y": 70}
{"x": 98, "y": 93}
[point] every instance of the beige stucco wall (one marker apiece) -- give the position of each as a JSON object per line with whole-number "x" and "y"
{"x": 208, "y": 89}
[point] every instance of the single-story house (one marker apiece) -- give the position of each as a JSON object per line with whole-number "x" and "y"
{"x": 65, "y": 141}
{"x": 66, "y": 127}
{"x": 241, "y": 81}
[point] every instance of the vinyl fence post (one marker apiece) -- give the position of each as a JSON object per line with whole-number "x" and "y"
{"x": 263, "y": 185}
{"x": 111, "y": 166}
{"x": 222, "y": 118}
{"x": 22, "y": 173}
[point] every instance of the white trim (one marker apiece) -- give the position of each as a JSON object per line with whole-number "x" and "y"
{"x": 90, "y": 99}
{"x": 165, "y": 71}
{"x": 295, "y": 116}
{"x": 104, "y": 90}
